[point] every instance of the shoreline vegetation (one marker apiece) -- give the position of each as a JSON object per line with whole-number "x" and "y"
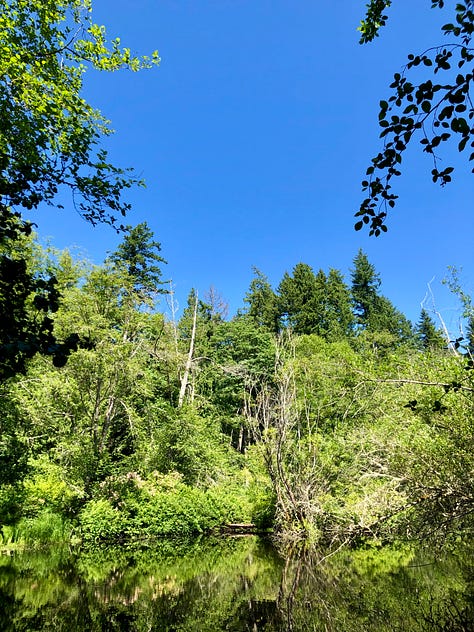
{"x": 318, "y": 411}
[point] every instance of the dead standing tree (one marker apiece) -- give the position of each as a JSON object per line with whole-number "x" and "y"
{"x": 289, "y": 451}
{"x": 189, "y": 360}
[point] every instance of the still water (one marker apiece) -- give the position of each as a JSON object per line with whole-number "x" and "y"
{"x": 236, "y": 584}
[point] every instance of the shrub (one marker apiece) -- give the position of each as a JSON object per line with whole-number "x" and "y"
{"x": 45, "y": 528}
{"x": 46, "y": 488}
{"x": 161, "y": 506}
{"x": 100, "y": 521}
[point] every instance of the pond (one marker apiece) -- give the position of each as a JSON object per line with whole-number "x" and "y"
{"x": 236, "y": 584}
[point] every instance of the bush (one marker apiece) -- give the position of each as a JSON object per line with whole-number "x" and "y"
{"x": 11, "y": 503}
{"x": 46, "y": 488}
{"x": 161, "y": 506}
{"x": 100, "y": 521}
{"x": 45, "y": 528}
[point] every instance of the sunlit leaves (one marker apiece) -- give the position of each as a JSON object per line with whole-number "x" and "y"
{"x": 48, "y": 132}
{"x": 374, "y": 20}
{"x": 49, "y": 138}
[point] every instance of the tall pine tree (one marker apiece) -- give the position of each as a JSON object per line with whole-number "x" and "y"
{"x": 428, "y": 336}
{"x": 339, "y": 317}
{"x": 298, "y": 301}
{"x": 262, "y": 302}
{"x": 374, "y": 312}
{"x": 138, "y": 255}
{"x": 365, "y": 286}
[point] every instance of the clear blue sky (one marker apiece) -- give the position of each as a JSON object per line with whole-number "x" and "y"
{"x": 253, "y": 137}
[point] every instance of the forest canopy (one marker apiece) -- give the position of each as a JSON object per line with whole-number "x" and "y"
{"x": 318, "y": 410}
{"x": 297, "y": 414}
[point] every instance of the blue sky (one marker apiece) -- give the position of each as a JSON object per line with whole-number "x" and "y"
{"x": 253, "y": 137}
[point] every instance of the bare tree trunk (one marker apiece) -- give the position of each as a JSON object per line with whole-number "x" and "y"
{"x": 430, "y": 296}
{"x": 189, "y": 361}
{"x": 173, "y": 306}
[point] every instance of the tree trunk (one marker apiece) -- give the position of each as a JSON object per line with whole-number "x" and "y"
{"x": 189, "y": 361}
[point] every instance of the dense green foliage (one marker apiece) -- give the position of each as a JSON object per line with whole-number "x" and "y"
{"x": 318, "y": 409}
{"x": 50, "y": 140}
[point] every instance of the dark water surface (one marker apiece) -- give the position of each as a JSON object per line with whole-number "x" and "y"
{"x": 236, "y": 584}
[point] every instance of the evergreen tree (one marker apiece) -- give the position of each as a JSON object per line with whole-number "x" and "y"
{"x": 365, "y": 285}
{"x": 427, "y": 334}
{"x": 316, "y": 304}
{"x": 138, "y": 254}
{"x": 339, "y": 317}
{"x": 386, "y": 317}
{"x": 262, "y": 302}
{"x": 374, "y": 312}
{"x": 297, "y": 299}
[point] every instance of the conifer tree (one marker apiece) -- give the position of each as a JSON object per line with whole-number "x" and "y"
{"x": 138, "y": 254}
{"x": 365, "y": 285}
{"x": 386, "y": 317}
{"x": 316, "y": 304}
{"x": 374, "y": 312}
{"x": 339, "y": 317}
{"x": 296, "y": 297}
{"x": 427, "y": 334}
{"x": 262, "y": 302}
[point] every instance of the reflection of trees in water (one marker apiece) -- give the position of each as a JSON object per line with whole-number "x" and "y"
{"x": 376, "y": 591}
{"x": 240, "y": 586}
{"x": 197, "y": 587}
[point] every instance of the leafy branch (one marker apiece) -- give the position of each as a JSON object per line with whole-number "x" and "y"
{"x": 433, "y": 110}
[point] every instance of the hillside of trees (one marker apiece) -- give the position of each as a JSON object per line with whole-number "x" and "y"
{"x": 318, "y": 410}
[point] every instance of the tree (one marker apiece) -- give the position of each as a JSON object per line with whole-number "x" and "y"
{"x": 470, "y": 335}
{"x": 365, "y": 285}
{"x": 89, "y": 416}
{"x": 49, "y": 138}
{"x": 262, "y": 302}
{"x": 190, "y": 357}
{"x": 465, "y": 340}
{"x": 374, "y": 312}
{"x": 138, "y": 254}
{"x": 50, "y": 134}
{"x": 316, "y": 303}
{"x": 428, "y": 335}
{"x": 28, "y": 299}
{"x": 297, "y": 298}
{"x": 218, "y": 306}
{"x": 386, "y": 317}
{"x": 338, "y": 313}
{"x": 432, "y": 110}
{"x": 195, "y": 329}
